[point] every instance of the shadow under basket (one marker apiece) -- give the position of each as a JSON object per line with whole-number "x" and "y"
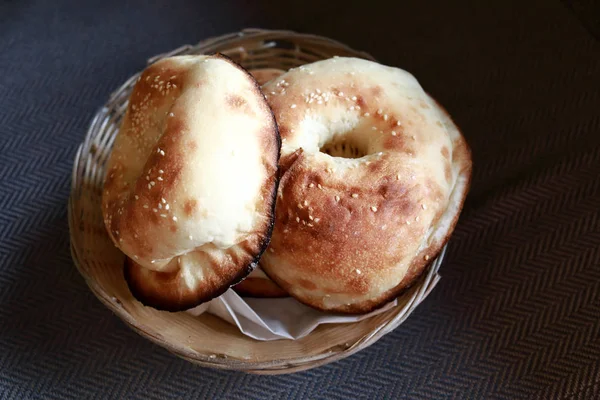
{"x": 206, "y": 339}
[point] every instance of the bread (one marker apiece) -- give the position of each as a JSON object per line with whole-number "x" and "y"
{"x": 189, "y": 192}
{"x": 264, "y": 75}
{"x": 373, "y": 177}
{"x": 257, "y": 284}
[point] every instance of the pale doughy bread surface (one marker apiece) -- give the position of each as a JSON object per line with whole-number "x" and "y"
{"x": 188, "y": 195}
{"x": 257, "y": 284}
{"x": 357, "y": 226}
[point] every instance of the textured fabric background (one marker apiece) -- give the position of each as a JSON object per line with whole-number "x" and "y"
{"x": 516, "y": 314}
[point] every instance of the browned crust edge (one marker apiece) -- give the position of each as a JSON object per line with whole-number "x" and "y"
{"x": 259, "y": 288}
{"x": 162, "y": 301}
{"x": 419, "y": 264}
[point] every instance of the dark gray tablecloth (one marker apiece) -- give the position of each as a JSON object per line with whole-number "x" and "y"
{"x": 516, "y": 314}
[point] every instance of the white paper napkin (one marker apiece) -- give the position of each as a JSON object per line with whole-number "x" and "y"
{"x": 273, "y": 319}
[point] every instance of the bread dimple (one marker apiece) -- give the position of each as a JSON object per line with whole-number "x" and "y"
{"x": 191, "y": 180}
{"x": 360, "y": 229}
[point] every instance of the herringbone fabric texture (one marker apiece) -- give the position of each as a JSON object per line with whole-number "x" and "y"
{"x": 517, "y": 312}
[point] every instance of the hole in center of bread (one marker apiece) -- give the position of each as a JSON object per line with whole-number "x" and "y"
{"x": 343, "y": 148}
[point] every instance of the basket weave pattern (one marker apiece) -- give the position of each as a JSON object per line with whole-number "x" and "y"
{"x": 206, "y": 339}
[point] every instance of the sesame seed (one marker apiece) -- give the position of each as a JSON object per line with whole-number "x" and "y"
{"x": 417, "y": 218}
{"x": 354, "y": 98}
{"x": 354, "y": 195}
{"x": 423, "y": 206}
{"x": 373, "y": 208}
{"x": 413, "y": 137}
{"x": 341, "y": 94}
{"x": 300, "y": 206}
{"x": 160, "y": 171}
{"x": 297, "y": 219}
{"x": 149, "y": 186}
{"x": 155, "y": 210}
{"x": 309, "y": 224}
{"x": 320, "y": 102}
{"x": 398, "y": 123}
{"x": 145, "y": 205}
{"x": 393, "y": 133}
{"x": 163, "y": 200}
{"x": 317, "y": 220}
{"x": 358, "y": 271}
{"x": 398, "y": 177}
{"x": 367, "y": 114}
{"x": 311, "y": 217}
{"x": 319, "y": 91}
{"x": 163, "y": 215}
{"x": 147, "y": 178}
{"x": 158, "y": 150}
{"x": 407, "y": 222}
{"x": 160, "y": 206}
{"x": 385, "y": 117}
{"x": 171, "y": 115}
{"x": 305, "y": 203}
{"x": 162, "y": 153}
{"x": 137, "y": 197}
{"x": 374, "y": 128}
{"x": 303, "y": 222}
{"x": 159, "y": 179}
{"x": 293, "y": 106}
{"x": 379, "y": 112}
{"x": 426, "y": 258}
{"x": 337, "y": 198}
{"x": 352, "y": 108}
{"x": 271, "y": 250}
{"x": 167, "y": 207}
{"x": 319, "y": 186}
{"x": 311, "y": 185}
{"x": 152, "y": 183}
{"x": 174, "y": 218}
{"x": 191, "y": 237}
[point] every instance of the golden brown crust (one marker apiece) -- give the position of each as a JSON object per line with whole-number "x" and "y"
{"x": 190, "y": 233}
{"x": 351, "y": 234}
{"x": 167, "y": 290}
{"x": 264, "y": 75}
{"x": 260, "y": 287}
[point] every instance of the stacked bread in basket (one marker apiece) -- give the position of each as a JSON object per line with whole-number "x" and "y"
{"x": 276, "y": 164}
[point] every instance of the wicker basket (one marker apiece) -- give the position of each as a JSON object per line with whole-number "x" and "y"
{"x": 207, "y": 340}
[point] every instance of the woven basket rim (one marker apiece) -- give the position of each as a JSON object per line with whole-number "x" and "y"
{"x": 102, "y": 118}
